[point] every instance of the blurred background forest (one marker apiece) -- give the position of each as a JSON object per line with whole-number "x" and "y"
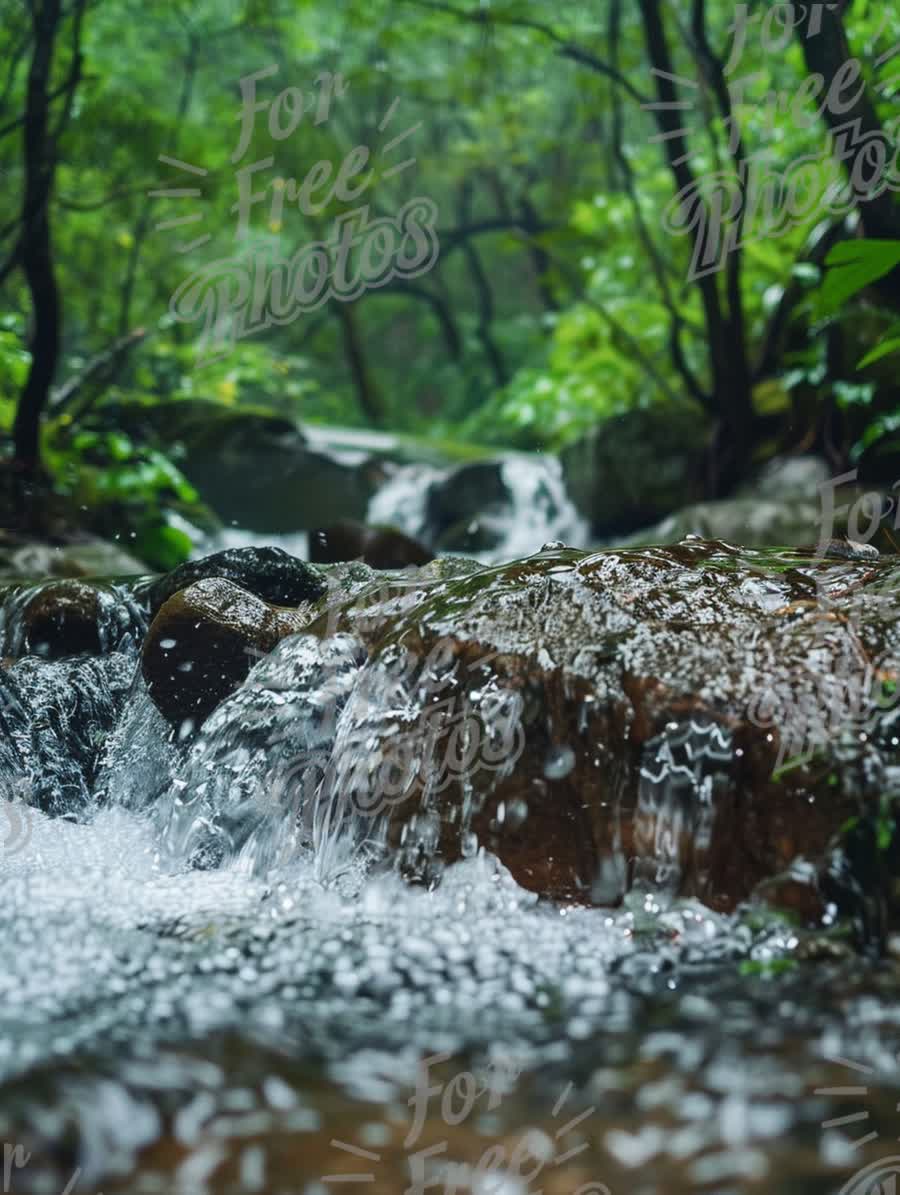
{"x": 561, "y": 316}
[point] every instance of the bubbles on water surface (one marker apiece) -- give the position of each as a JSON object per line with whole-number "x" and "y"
{"x": 559, "y": 763}
{"x": 142, "y": 995}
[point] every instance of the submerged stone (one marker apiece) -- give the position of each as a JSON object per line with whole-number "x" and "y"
{"x": 55, "y": 619}
{"x": 62, "y": 619}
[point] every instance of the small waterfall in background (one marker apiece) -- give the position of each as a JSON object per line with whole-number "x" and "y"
{"x": 535, "y": 510}
{"x": 401, "y": 502}
{"x": 538, "y": 510}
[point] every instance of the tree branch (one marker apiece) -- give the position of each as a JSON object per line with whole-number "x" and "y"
{"x": 105, "y": 363}
{"x": 714, "y": 72}
{"x": 790, "y": 296}
{"x": 676, "y": 321}
{"x": 568, "y": 49}
{"x": 72, "y": 205}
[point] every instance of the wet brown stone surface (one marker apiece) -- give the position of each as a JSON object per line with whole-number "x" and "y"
{"x": 203, "y": 642}
{"x": 699, "y": 708}
{"x": 62, "y": 618}
{"x": 379, "y": 547}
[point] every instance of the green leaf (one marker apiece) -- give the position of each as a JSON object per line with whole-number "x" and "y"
{"x": 882, "y": 349}
{"x": 163, "y": 546}
{"x": 854, "y": 265}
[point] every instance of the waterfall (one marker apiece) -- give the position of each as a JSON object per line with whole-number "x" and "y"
{"x": 538, "y": 511}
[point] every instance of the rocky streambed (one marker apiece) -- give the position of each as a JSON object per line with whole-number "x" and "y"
{"x": 579, "y": 870}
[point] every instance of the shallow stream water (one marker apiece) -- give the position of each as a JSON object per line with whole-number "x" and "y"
{"x": 200, "y": 996}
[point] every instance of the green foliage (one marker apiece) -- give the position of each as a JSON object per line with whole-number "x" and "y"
{"x": 854, "y": 265}
{"x": 767, "y": 968}
{"x": 576, "y": 325}
{"x": 129, "y": 490}
{"x": 889, "y": 343}
{"x": 253, "y": 374}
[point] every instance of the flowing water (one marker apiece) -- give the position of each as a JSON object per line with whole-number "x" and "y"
{"x": 538, "y": 510}
{"x": 214, "y": 981}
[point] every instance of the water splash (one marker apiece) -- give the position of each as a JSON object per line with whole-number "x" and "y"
{"x": 684, "y": 775}
{"x": 538, "y": 510}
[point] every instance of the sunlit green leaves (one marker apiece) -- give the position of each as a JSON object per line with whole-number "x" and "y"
{"x": 852, "y": 266}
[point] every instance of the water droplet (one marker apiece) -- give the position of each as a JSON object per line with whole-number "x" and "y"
{"x": 468, "y": 845}
{"x": 559, "y": 763}
{"x": 516, "y": 813}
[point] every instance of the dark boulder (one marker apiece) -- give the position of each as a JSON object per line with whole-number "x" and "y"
{"x": 67, "y": 618}
{"x": 62, "y": 619}
{"x": 269, "y": 573}
{"x": 379, "y": 547}
{"x": 456, "y": 504}
{"x": 636, "y": 468}
{"x": 255, "y": 468}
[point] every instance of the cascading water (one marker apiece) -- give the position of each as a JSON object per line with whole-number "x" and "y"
{"x": 215, "y": 982}
{"x": 538, "y": 509}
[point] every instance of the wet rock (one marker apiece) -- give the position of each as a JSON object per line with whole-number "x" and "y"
{"x": 54, "y": 619}
{"x": 752, "y": 522}
{"x": 636, "y": 468}
{"x": 475, "y": 536}
{"x": 793, "y": 502}
{"x": 788, "y": 479}
{"x": 379, "y": 547}
{"x": 269, "y": 573}
{"x": 694, "y": 718}
{"x": 204, "y": 640}
{"x": 256, "y": 468}
{"x": 462, "y": 496}
{"x": 62, "y": 619}
{"x": 21, "y": 558}
{"x": 763, "y": 522}
{"x": 850, "y": 549}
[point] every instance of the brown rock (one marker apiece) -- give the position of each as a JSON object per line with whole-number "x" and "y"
{"x": 203, "y": 642}
{"x": 62, "y": 619}
{"x": 696, "y": 715}
{"x": 379, "y": 547}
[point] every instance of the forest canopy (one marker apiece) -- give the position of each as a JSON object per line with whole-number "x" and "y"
{"x": 501, "y": 223}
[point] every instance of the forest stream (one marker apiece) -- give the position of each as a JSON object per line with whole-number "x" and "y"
{"x": 449, "y": 592}
{"x": 484, "y": 878}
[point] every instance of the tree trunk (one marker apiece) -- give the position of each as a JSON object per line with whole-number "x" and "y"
{"x": 366, "y": 389}
{"x": 731, "y": 384}
{"x": 826, "y": 51}
{"x": 483, "y": 293}
{"x": 35, "y": 255}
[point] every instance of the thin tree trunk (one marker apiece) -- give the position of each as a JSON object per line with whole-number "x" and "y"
{"x": 35, "y": 252}
{"x": 826, "y": 51}
{"x": 731, "y": 381}
{"x": 366, "y": 389}
{"x": 483, "y": 294}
